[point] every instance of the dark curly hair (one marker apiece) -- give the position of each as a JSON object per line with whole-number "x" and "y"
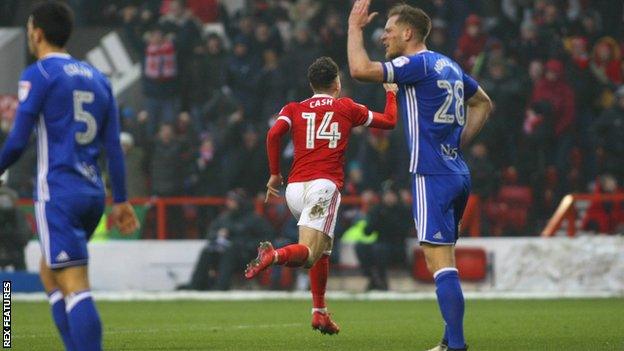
{"x": 322, "y": 73}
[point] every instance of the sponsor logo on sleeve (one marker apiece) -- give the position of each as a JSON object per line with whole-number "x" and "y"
{"x": 23, "y": 89}
{"x": 400, "y": 61}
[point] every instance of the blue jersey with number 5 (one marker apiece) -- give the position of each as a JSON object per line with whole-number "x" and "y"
{"x": 72, "y": 107}
{"x": 432, "y": 94}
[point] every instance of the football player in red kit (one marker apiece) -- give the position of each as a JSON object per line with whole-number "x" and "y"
{"x": 320, "y": 127}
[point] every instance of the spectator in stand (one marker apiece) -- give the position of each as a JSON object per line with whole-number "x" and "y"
{"x": 208, "y": 83}
{"x": 245, "y": 161}
{"x": 188, "y": 139}
{"x": 535, "y": 72}
{"x": 267, "y": 38}
{"x": 590, "y": 27}
{"x": 179, "y": 24}
{"x": 608, "y": 133}
{"x": 605, "y": 217}
{"x": 584, "y": 84}
{"x": 484, "y": 184}
{"x": 529, "y": 47}
{"x": 209, "y": 168}
{"x": 241, "y": 76}
{"x": 231, "y": 240}
{"x": 302, "y": 52}
{"x": 438, "y": 39}
{"x": 506, "y": 87}
{"x": 606, "y": 62}
{"x": 160, "y": 72}
{"x": 375, "y": 156}
{"x": 536, "y": 142}
{"x": 304, "y": 11}
{"x": 555, "y": 90}
{"x": 272, "y": 87}
{"x": 135, "y": 172}
{"x": 391, "y": 219}
{"x": 471, "y": 44}
{"x": 164, "y": 163}
{"x": 334, "y": 38}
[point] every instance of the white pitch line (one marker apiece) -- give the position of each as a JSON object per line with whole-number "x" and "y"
{"x": 241, "y": 295}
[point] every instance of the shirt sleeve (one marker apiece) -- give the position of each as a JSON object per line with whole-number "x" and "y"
{"x": 31, "y": 91}
{"x": 360, "y": 114}
{"x": 285, "y": 115}
{"x": 470, "y": 86}
{"x": 405, "y": 70}
{"x": 114, "y": 153}
{"x": 32, "y": 88}
{"x": 18, "y": 139}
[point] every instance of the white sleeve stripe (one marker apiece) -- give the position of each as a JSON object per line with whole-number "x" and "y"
{"x": 370, "y": 119}
{"x": 389, "y": 72}
{"x": 286, "y": 119}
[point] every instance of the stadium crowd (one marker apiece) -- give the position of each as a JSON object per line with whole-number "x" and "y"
{"x": 214, "y": 76}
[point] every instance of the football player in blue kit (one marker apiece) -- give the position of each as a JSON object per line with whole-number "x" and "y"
{"x": 72, "y": 108}
{"x": 442, "y": 109}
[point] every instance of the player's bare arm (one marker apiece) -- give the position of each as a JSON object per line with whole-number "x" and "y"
{"x": 478, "y": 111}
{"x": 275, "y": 181}
{"x": 360, "y": 65}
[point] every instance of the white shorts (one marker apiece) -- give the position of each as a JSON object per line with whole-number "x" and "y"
{"x": 315, "y": 204}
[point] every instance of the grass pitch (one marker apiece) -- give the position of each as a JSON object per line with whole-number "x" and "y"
{"x": 570, "y": 324}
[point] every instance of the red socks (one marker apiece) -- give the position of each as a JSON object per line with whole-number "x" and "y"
{"x": 294, "y": 255}
{"x": 318, "y": 281}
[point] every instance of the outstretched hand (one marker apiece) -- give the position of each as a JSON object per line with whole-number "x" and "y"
{"x": 359, "y": 16}
{"x": 391, "y": 87}
{"x": 124, "y": 218}
{"x": 275, "y": 181}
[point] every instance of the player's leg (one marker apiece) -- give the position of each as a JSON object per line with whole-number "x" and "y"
{"x": 437, "y": 216}
{"x": 315, "y": 204}
{"x": 84, "y": 321}
{"x": 68, "y": 223}
{"x": 57, "y": 304}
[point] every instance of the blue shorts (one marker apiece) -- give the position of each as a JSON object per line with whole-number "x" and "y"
{"x": 438, "y": 205}
{"x": 65, "y": 224}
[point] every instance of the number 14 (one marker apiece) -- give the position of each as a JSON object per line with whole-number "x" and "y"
{"x": 326, "y": 131}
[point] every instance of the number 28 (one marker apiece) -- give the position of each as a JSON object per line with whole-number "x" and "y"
{"x": 454, "y": 92}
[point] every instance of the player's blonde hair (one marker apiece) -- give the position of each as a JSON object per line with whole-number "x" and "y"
{"x": 413, "y": 17}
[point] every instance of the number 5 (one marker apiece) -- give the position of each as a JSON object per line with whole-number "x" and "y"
{"x": 80, "y": 115}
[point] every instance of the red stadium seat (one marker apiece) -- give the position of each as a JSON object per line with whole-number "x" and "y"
{"x": 286, "y": 281}
{"x": 471, "y": 263}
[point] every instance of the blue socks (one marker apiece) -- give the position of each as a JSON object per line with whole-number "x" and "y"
{"x": 451, "y": 302}
{"x": 84, "y": 321}
{"x": 57, "y": 304}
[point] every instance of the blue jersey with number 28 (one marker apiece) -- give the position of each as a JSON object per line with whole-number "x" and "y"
{"x": 432, "y": 94}
{"x": 72, "y": 107}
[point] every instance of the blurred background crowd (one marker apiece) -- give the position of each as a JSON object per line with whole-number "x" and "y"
{"x": 214, "y": 75}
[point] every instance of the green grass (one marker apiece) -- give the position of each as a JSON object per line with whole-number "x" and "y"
{"x": 579, "y": 324}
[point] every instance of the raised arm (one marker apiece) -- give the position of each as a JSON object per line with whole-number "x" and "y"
{"x": 387, "y": 119}
{"x": 478, "y": 111}
{"x": 360, "y": 65}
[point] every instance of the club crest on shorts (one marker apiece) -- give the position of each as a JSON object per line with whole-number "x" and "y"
{"x": 319, "y": 209}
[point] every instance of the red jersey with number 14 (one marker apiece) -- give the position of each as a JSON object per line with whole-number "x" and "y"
{"x": 320, "y": 128}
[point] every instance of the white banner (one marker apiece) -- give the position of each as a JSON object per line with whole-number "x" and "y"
{"x": 589, "y": 264}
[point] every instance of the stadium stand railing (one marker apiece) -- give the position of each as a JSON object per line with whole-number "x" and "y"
{"x": 161, "y": 205}
{"x": 575, "y": 211}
